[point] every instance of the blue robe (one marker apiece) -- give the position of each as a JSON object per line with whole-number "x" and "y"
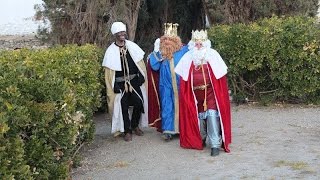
{"x": 168, "y": 90}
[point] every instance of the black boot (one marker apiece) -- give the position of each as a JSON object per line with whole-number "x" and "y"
{"x": 214, "y": 151}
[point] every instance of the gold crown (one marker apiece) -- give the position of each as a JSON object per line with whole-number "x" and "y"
{"x": 171, "y": 29}
{"x": 199, "y": 35}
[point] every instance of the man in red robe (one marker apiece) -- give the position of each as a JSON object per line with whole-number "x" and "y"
{"x": 204, "y": 98}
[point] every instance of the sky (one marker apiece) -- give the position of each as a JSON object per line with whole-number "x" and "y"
{"x": 16, "y": 16}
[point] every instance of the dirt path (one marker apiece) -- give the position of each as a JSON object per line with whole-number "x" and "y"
{"x": 268, "y": 143}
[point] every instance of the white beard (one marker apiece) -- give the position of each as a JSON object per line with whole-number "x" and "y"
{"x": 198, "y": 56}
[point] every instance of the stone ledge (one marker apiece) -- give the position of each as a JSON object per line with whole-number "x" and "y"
{"x": 11, "y": 42}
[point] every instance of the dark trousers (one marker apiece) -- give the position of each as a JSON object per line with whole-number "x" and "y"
{"x": 131, "y": 99}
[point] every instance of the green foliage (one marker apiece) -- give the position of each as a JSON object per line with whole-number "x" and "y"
{"x": 274, "y": 59}
{"x": 12, "y": 162}
{"x": 263, "y": 8}
{"x": 47, "y": 100}
{"x": 236, "y": 11}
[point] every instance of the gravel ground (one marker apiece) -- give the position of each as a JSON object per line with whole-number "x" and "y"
{"x": 278, "y": 142}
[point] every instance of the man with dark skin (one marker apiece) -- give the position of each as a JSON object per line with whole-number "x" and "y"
{"x": 121, "y": 38}
{"x": 125, "y": 80}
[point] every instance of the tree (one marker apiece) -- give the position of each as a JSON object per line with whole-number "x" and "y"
{"x": 83, "y": 21}
{"x": 126, "y": 11}
{"x": 154, "y": 13}
{"x": 233, "y": 11}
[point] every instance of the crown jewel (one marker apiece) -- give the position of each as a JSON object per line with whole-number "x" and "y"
{"x": 199, "y": 35}
{"x": 171, "y": 29}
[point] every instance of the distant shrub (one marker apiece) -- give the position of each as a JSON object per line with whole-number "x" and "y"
{"x": 276, "y": 59}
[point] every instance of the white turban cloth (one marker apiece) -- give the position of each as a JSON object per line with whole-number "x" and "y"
{"x": 118, "y": 27}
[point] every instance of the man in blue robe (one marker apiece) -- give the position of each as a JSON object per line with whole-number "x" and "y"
{"x": 166, "y": 55}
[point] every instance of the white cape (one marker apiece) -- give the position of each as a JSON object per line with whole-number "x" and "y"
{"x": 217, "y": 64}
{"x": 112, "y": 56}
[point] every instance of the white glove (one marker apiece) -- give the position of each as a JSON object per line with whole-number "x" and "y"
{"x": 157, "y": 45}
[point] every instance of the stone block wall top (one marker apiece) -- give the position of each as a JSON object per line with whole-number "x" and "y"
{"x": 11, "y": 42}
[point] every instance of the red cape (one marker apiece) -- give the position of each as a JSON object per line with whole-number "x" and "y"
{"x": 154, "y": 117}
{"x": 189, "y": 129}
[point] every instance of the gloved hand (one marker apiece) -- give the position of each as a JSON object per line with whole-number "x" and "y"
{"x": 156, "y": 45}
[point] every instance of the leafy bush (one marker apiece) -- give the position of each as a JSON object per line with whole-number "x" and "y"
{"x": 276, "y": 59}
{"x": 47, "y": 100}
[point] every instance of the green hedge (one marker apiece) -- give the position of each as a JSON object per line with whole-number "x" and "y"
{"x": 276, "y": 59}
{"x": 47, "y": 100}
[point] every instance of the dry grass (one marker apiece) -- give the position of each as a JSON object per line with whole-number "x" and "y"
{"x": 121, "y": 164}
{"x": 293, "y": 165}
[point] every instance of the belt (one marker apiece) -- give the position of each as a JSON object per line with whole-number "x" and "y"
{"x": 123, "y": 78}
{"x": 201, "y": 87}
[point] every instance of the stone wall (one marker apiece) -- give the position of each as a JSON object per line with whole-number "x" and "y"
{"x": 11, "y": 42}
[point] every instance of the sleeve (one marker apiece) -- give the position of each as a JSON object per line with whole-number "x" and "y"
{"x": 155, "y": 61}
{"x": 109, "y": 75}
{"x": 143, "y": 73}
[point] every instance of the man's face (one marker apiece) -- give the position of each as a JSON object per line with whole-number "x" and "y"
{"x": 198, "y": 44}
{"x": 121, "y": 36}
